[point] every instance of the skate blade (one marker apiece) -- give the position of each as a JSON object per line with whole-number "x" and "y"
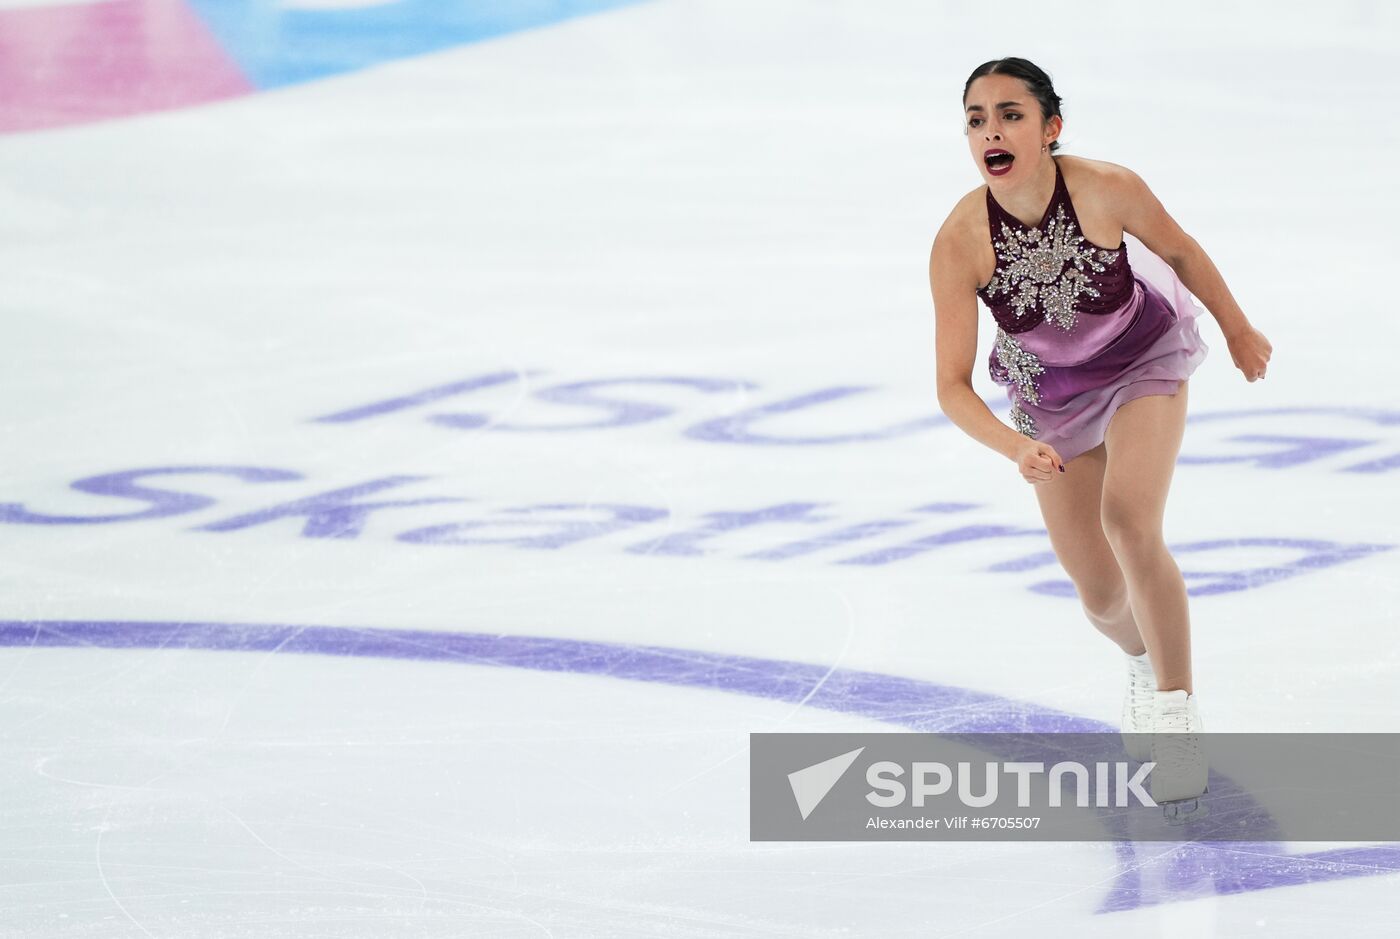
{"x": 1185, "y": 811}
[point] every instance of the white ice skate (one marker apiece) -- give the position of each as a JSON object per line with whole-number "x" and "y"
{"x": 1179, "y": 778}
{"x": 1137, "y": 707}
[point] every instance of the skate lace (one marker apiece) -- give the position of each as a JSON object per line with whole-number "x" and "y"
{"x": 1140, "y": 694}
{"x": 1174, "y": 738}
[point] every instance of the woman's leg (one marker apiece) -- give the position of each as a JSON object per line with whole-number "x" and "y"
{"x": 1069, "y": 503}
{"x": 1143, "y": 439}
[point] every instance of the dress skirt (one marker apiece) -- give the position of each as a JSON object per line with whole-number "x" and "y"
{"x": 1064, "y": 386}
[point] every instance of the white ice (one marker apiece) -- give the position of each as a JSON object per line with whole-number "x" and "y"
{"x": 737, "y": 194}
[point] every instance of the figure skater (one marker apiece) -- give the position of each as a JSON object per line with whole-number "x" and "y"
{"x": 1094, "y": 346}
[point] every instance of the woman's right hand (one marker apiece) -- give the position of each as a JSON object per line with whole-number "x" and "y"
{"x": 1038, "y": 462}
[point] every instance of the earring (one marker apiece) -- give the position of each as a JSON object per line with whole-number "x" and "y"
{"x": 1042, "y": 149}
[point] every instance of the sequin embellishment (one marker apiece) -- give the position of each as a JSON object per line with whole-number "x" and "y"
{"x": 1047, "y": 269}
{"x": 1018, "y": 365}
{"x": 1023, "y": 421}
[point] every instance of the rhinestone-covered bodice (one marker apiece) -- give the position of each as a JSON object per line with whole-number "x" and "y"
{"x": 1051, "y": 272}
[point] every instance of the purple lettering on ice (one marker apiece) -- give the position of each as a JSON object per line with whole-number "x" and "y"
{"x": 735, "y": 427}
{"x": 162, "y": 502}
{"x": 331, "y": 514}
{"x": 622, "y": 413}
{"x": 1290, "y": 451}
{"x": 830, "y": 539}
{"x": 420, "y": 398}
{"x": 1284, "y": 451}
{"x": 1380, "y": 416}
{"x": 1187, "y": 871}
{"x": 853, "y": 533}
{"x": 557, "y": 532}
{"x": 941, "y": 540}
{"x": 1379, "y": 465}
{"x": 1309, "y": 554}
{"x": 683, "y": 542}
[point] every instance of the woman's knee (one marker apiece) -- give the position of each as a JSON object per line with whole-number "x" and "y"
{"x": 1104, "y": 600}
{"x": 1131, "y": 530}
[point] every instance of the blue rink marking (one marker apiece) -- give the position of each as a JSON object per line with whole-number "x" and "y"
{"x": 277, "y": 46}
{"x": 1195, "y": 869}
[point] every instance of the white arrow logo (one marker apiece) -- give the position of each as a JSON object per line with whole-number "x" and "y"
{"x": 810, "y": 785}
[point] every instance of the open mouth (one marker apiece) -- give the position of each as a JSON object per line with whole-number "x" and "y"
{"x": 998, "y": 161}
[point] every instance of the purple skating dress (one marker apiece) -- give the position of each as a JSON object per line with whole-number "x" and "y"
{"x": 1082, "y": 330}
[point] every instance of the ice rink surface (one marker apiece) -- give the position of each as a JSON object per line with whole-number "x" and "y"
{"x": 437, "y": 435}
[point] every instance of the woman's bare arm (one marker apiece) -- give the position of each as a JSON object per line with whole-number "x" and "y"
{"x": 952, "y": 278}
{"x": 1144, "y": 217}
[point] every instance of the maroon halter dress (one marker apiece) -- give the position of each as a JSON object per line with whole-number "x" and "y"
{"x": 1082, "y": 329}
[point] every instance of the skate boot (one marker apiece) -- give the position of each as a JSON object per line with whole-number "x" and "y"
{"x": 1137, "y": 707}
{"x": 1179, "y": 778}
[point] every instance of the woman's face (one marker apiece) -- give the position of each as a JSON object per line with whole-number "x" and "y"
{"x": 1002, "y": 116}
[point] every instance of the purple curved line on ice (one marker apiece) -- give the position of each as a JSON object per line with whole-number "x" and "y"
{"x": 1188, "y": 870}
